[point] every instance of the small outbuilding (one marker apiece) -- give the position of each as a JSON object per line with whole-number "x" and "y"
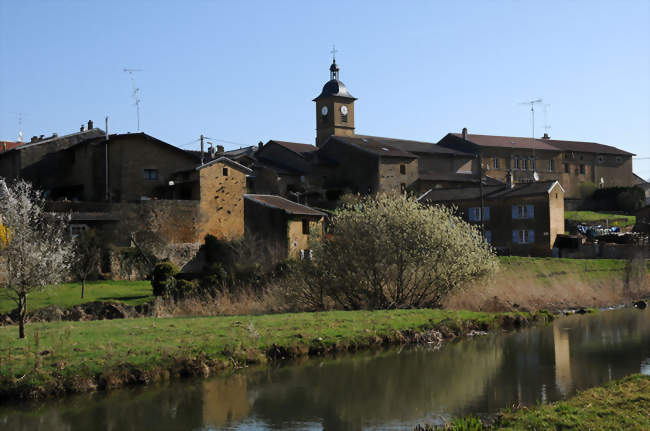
{"x": 286, "y": 226}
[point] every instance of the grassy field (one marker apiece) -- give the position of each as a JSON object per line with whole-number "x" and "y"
{"x": 592, "y": 217}
{"x": 619, "y": 405}
{"x": 70, "y": 356}
{"x": 69, "y": 294}
{"x": 550, "y": 267}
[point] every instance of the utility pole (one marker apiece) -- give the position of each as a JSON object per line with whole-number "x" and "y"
{"x": 201, "y": 148}
{"x": 480, "y": 185}
{"x": 108, "y": 197}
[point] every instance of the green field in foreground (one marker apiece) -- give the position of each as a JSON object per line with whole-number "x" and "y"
{"x": 551, "y": 268}
{"x": 69, "y": 294}
{"x": 619, "y": 405}
{"x": 56, "y": 351}
{"x": 613, "y": 219}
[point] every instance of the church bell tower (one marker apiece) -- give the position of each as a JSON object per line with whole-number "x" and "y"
{"x": 334, "y": 108}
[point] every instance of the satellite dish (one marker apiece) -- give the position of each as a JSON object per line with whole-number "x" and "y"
{"x": 535, "y": 176}
{"x": 602, "y": 180}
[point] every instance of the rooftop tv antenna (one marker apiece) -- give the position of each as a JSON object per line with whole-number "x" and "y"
{"x": 532, "y": 104}
{"x": 547, "y": 126}
{"x": 20, "y": 116}
{"x": 136, "y": 92}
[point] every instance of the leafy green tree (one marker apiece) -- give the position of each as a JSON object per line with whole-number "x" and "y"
{"x": 393, "y": 252}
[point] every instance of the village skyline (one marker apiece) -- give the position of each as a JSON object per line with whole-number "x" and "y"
{"x": 418, "y": 73}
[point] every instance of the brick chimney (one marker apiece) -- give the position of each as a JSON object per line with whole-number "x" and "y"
{"x": 90, "y": 124}
{"x": 465, "y": 133}
{"x": 546, "y": 136}
{"x": 220, "y": 149}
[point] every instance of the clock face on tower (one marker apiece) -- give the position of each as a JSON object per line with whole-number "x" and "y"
{"x": 344, "y": 110}
{"x": 323, "y": 111}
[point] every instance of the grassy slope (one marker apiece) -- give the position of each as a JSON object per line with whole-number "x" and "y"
{"x": 614, "y": 219}
{"x": 549, "y": 267}
{"x": 59, "y": 351}
{"x": 69, "y": 294}
{"x": 619, "y": 405}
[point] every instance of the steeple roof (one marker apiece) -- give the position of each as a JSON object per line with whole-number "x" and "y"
{"x": 334, "y": 87}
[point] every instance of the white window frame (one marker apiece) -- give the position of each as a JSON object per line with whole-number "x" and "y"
{"x": 523, "y": 211}
{"x": 474, "y": 214}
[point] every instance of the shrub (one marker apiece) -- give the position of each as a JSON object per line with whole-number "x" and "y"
{"x": 162, "y": 278}
{"x": 392, "y": 252}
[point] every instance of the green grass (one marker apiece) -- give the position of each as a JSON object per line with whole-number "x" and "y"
{"x": 550, "y": 269}
{"x": 614, "y": 219}
{"x": 619, "y": 405}
{"x": 69, "y": 294}
{"x": 58, "y": 352}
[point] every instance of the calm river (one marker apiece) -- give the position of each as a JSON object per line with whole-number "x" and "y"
{"x": 390, "y": 389}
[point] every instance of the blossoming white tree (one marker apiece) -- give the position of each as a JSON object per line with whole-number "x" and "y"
{"x": 33, "y": 250}
{"x": 392, "y": 252}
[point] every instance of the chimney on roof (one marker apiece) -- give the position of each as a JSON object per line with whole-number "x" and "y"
{"x": 40, "y": 138}
{"x": 90, "y": 124}
{"x": 34, "y": 139}
{"x": 4, "y": 146}
{"x": 260, "y": 144}
{"x": 81, "y": 129}
{"x": 465, "y": 133}
{"x": 220, "y": 149}
{"x": 510, "y": 183}
{"x": 546, "y": 136}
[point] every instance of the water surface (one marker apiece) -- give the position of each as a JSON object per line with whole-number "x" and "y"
{"x": 388, "y": 389}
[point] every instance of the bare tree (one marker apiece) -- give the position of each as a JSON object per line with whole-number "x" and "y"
{"x": 34, "y": 252}
{"x": 87, "y": 253}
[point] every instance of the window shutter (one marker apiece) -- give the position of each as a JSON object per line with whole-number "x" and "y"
{"x": 515, "y": 213}
{"x": 486, "y": 213}
{"x": 531, "y": 211}
{"x": 515, "y": 236}
{"x": 531, "y": 236}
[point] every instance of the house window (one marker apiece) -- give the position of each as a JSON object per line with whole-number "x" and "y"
{"x": 402, "y": 188}
{"x": 306, "y": 254}
{"x": 150, "y": 174}
{"x": 523, "y": 211}
{"x": 524, "y": 163}
{"x": 582, "y": 157}
{"x": 475, "y": 214}
{"x": 305, "y": 227}
{"x": 402, "y": 169}
{"x": 224, "y": 172}
{"x": 551, "y": 165}
{"x": 582, "y": 169}
{"x": 495, "y": 163}
{"x": 488, "y": 236}
{"x": 601, "y": 159}
{"x": 516, "y": 162}
{"x": 566, "y": 168}
{"x": 532, "y": 163}
{"x": 523, "y": 236}
{"x": 618, "y": 159}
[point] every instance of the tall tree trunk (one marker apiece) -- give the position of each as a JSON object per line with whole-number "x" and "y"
{"x": 83, "y": 287}
{"x": 22, "y": 312}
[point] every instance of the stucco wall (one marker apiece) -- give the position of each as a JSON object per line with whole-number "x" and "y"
{"x": 222, "y": 201}
{"x": 390, "y": 177}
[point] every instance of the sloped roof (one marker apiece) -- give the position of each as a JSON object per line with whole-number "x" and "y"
{"x": 71, "y": 139}
{"x": 289, "y": 207}
{"x": 540, "y": 144}
{"x": 489, "y": 192}
{"x": 335, "y": 88}
{"x": 228, "y": 162}
{"x": 415, "y": 146}
{"x": 508, "y": 142}
{"x": 8, "y": 145}
{"x": 296, "y": 147}
{"x": 374, "y": 146}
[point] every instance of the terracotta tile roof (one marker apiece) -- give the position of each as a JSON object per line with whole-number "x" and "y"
{"x": 508, "y": 142}
{"x": 286, "y": 205}
{"x": 228, "y": 162}
{"x": 489, "y": 192}
{"x": 8, "y": 145}
{"x": 541, "y": 144}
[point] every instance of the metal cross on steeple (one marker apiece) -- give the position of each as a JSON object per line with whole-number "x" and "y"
{"x": 333, "y": 52}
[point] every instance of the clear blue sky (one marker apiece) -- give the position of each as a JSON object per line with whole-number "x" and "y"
{"x": 247, "y": 71}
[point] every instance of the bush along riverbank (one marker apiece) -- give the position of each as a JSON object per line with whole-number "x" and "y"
{"x": 619, "y": 405}
{"x": 66, "y": 357}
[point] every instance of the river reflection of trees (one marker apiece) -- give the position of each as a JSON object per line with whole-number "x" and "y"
{"x": 350, "y": 392}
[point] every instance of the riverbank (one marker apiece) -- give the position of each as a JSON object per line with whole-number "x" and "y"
{"x": 618, "y": 405}
{"x": 66, "y": 357}
{"x": 554, "y": 284}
